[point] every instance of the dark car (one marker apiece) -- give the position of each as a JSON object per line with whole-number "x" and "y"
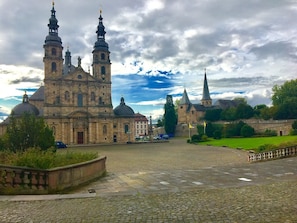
{"x": 60, "y": 144}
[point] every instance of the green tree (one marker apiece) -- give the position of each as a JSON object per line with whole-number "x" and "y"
{"x": 159, "y": 123}
{"x": 213, "y": 115}
{"x": 28, "y": 131}
{"x": 244, "y": 111}
{"x": 170, "y": 117}
{"x": 285, "y": 100}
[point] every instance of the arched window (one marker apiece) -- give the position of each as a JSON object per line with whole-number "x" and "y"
{"x": 54, "y": 51}
{"x": 102, "y": 70}
{"x": 54, "y": 67}
{"x": 102, "y": 56}
{"x": 104, "y": 130}
{"x": 96, "y": 58}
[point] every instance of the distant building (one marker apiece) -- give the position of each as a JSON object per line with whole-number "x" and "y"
{"x": 75, "y": 103}
{"x": 141, "y": 125}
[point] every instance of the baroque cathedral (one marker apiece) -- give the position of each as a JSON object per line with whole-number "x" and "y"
{"x": 77, "y": 105}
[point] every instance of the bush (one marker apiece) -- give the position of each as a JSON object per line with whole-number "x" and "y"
{"x": 217, "y": 134}
{"x": 266, "y": 147}
{"x": 37, "y": 158}
{"x": 196, "y": 138}
{"x": 269, "y": 132}
{"x": 247, "y": 131}
{"x": 293, "y": 132}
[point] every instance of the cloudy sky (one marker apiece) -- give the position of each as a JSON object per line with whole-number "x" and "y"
{"x": 158, "y": 47}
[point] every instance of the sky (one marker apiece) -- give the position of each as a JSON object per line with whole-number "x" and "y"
{"x": 158, "y": 47}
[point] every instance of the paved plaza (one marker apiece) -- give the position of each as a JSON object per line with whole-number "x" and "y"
{"x": 170, "y": 182}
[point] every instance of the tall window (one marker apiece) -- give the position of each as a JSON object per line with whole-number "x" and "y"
{"x": 67, "y": 96}
{"x": 102, "y": 56}
{"x": 54, "y": 51}
{"x": 54, "y": 67}
{"x": 126, "y": 128}
{"x": 79, "y": 100}
{"x": 102, "y": 70}
{"x": 92, "y": 96}
{"x": 104, "y": 130}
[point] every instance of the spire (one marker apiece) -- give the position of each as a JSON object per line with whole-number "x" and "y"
{"x": 68, "y": 58}
{"x": 185, "y": 99}
{"x": 53, "y": 22}
{"x": 53, "y": 28}
{"x": 206, "y": 100}
{"x": 100, "y": 43}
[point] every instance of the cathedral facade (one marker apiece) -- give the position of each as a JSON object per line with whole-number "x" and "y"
{"x": 76, "y": 104}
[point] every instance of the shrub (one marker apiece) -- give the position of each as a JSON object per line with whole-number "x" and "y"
{"x": 293, "y": 132}
{"x": 217, "y": 134}
{"x": 266, "y": 147}
{"x": 196, "y": 138}
{"x": 269, "y": 132}
{"x": 37, "y": 158}
{"x": 247, "y": 131}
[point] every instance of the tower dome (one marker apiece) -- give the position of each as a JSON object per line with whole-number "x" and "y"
{"x": 123, "y": 109}
{"x": 25, "y": 107}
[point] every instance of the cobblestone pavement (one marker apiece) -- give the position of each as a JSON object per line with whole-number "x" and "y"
{"x": 170, "y": 182}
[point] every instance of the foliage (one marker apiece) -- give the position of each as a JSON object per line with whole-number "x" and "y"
{"x": 41, "y": 159}
{"x": 247, "y": 131}
{"x": 252, "y": 143}
{"x": 293, "y": 132}
{"x": 27, "y": 132}
{"x": 266, "y": 147}
{"x": 244, "y": 111}
{"x": 213, "y": 115}
{"x": 294, "y": 125}
{"x": 269, "y": 132}
{"x": 284, "y": 99}
{"x": 160, "y": 123}
{"x": 170, "y": 118}
{"x": 233, "y": 129}
{"x": 228, "y": 114}
{"x": 196, "y": 138}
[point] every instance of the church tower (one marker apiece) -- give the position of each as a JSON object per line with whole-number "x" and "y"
{"x": 101, "y": 64}
{"x": 53, "y": 59}
{"x": 206, "y": 100}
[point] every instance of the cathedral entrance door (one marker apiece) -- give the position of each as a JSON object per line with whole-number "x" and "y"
{"x": 80, "y": 137}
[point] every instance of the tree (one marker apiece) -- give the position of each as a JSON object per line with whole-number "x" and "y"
{"x": 213, "y": 115}
{"x": 27, "y": 132}
{"x": 170, "y": 117}
{"x": 159, "y": 123}
{"x": 285, "y": 100}
{"x": 244, "y": 111}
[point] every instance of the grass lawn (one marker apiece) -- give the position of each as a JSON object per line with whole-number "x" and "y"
{"x": 250, "y": 143}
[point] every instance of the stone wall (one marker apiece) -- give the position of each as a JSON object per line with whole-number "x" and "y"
{"x": 21, "y": 180}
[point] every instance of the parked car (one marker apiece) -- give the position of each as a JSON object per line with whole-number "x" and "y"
{"x": 165, "y": 136}
{"x": 60, "y": 144}
{"x": 157, "y": 138}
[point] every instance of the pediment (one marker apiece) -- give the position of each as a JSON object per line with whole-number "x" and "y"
{"x": 79, "y": 75}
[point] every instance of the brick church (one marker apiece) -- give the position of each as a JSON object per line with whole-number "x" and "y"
{"x": 76, "y": 104}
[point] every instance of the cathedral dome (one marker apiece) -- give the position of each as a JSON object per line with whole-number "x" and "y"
{"x": 25, "y": 107}
{"x": 123, "y": 109}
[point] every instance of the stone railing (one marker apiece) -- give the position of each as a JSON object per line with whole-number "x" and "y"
{"x": 22, "y": 180}
{"x": 274, "y": 154}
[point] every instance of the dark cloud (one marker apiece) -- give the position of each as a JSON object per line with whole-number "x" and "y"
{"x": 21, "y": 80}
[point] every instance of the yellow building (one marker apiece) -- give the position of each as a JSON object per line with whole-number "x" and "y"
{"x": 76, "y": 104}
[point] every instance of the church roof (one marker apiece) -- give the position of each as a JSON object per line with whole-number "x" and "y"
{"x": 38, "y": 95}
{"x": 25, "y": 107}
{"x": 206, "y": 95}
{"x": 185, "y": 99}
{"x": 123, "y": 109}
